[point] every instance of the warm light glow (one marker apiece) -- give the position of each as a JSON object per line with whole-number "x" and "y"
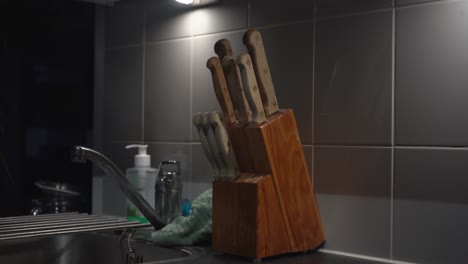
{"x": 185, "y": 2}
{"x": 194, "y": 2}
{"x": 200, "y": 21}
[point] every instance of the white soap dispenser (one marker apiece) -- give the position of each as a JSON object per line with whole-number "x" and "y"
{"x": 143, "y": 178}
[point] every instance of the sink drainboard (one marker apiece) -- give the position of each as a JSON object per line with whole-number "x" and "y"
{"x": 73, "y": 238}
{"x": 30, "y": 226}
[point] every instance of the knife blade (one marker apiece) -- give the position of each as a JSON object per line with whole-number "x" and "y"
{"x": 223, "y": 48}
{"x": 221, "y": 89}
{"x": 253, "y": 41}
{"x": 197, "y": 121}
{"x": 210, "y": 136}
{"x": 251, "y": 88}
{"x": 241, "y": 106}
{"x": 224, "y": 145}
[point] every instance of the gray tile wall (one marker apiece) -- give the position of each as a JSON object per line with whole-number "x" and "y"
{"x": 378, "y": 89}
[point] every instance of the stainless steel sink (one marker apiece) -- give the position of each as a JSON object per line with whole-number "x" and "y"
{"x": 90, "y": 248}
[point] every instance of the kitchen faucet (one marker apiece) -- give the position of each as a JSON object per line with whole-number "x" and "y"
{"x": 81, "y": 154}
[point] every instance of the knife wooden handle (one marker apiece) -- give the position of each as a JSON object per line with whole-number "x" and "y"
{"x": 223, "y": 48}
{"x": 253, "y": 41}
{"x": 224, "y": 145}
{"x": 213, "y": 145}
{"x": 251, "y": 89}
{"x": 197, "y": 121}
{"x": 241, "y": 106}
{"x": 221, "y": 89}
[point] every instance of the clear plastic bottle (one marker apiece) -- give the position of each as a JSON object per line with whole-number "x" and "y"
{"x": 143, "y": 178}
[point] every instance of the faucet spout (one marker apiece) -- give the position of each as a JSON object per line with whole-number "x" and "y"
{"x": 81, "y": 154}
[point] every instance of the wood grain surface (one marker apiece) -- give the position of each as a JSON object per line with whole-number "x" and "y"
{"x": 236, "y": 91}
{"x": 223, "y": 48}
{"x": 246, "y": 220}
{"x": 250, "y": 86}
{"x": 221, "y": 89}
{"x": 253, "y": 41}
{"x": 283, "y": 202}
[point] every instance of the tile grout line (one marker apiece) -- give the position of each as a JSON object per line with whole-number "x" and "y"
{"x": 106, "y": 49}
{"x": 354, "y": 14}
{"x": 382, "y": 260}
{"x": 352, "y": 146}
{"x": 392, "y": 158}
{"x": 143, "y": 83}
{"x": 207, "y": 35}
{"x": 314, "y": 20}
{"x": 378, "y": 10}
{"x": 314, "y": 40}
{"x": 190, "y": 158}
{"x": 285, "y": 24}
{"x": 248, "y": 14}
{"x": 438, "y": 2}
{"x": 432, "y": 147}
{"x": 464, "y": 148}
{"x": 151, "y": 142}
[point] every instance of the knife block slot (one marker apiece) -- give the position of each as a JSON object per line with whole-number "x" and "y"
{"x": 271, "y": 208}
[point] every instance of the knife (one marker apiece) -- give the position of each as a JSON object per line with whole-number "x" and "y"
{"x": 241, "y": 106}
{"x": 251, "y": 89}
{"x": 223, "y": 48}
{"x": 224, "y": 145}
{"x": 253, "y": 41}
{"x": 197, "y": 121}
{"x": 210, "y": 136}
{"x": 221, "y": 89}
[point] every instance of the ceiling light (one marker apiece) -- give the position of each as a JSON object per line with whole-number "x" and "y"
{"x": 185, "y": 2}
{"x": 196, "y": 2}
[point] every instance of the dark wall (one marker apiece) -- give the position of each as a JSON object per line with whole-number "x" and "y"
{"x": 46, "y": 88}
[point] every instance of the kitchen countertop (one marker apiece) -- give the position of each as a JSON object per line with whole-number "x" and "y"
{"x": 310, "y": 257}
{"x": 317, "y": 257}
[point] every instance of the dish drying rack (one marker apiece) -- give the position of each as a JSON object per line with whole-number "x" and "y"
{"x": 31, "y": 226}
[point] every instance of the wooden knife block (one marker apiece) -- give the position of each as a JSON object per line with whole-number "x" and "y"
{"x": 271, "y": 208}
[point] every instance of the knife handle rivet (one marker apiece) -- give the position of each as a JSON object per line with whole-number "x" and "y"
{"x": 248, "y": 62}
{"x": 274, "y": 103}
{"x": 265, "y": 71}
{"x": 254, "y": 88}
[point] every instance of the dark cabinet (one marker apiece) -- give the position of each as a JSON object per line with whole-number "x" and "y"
{"x": 46, "y": 99}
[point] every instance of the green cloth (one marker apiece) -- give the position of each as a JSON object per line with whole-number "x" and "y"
{"x": 188, "y": 230}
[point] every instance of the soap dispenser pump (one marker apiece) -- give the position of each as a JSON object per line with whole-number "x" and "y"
{"x": 143, "y": 178}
